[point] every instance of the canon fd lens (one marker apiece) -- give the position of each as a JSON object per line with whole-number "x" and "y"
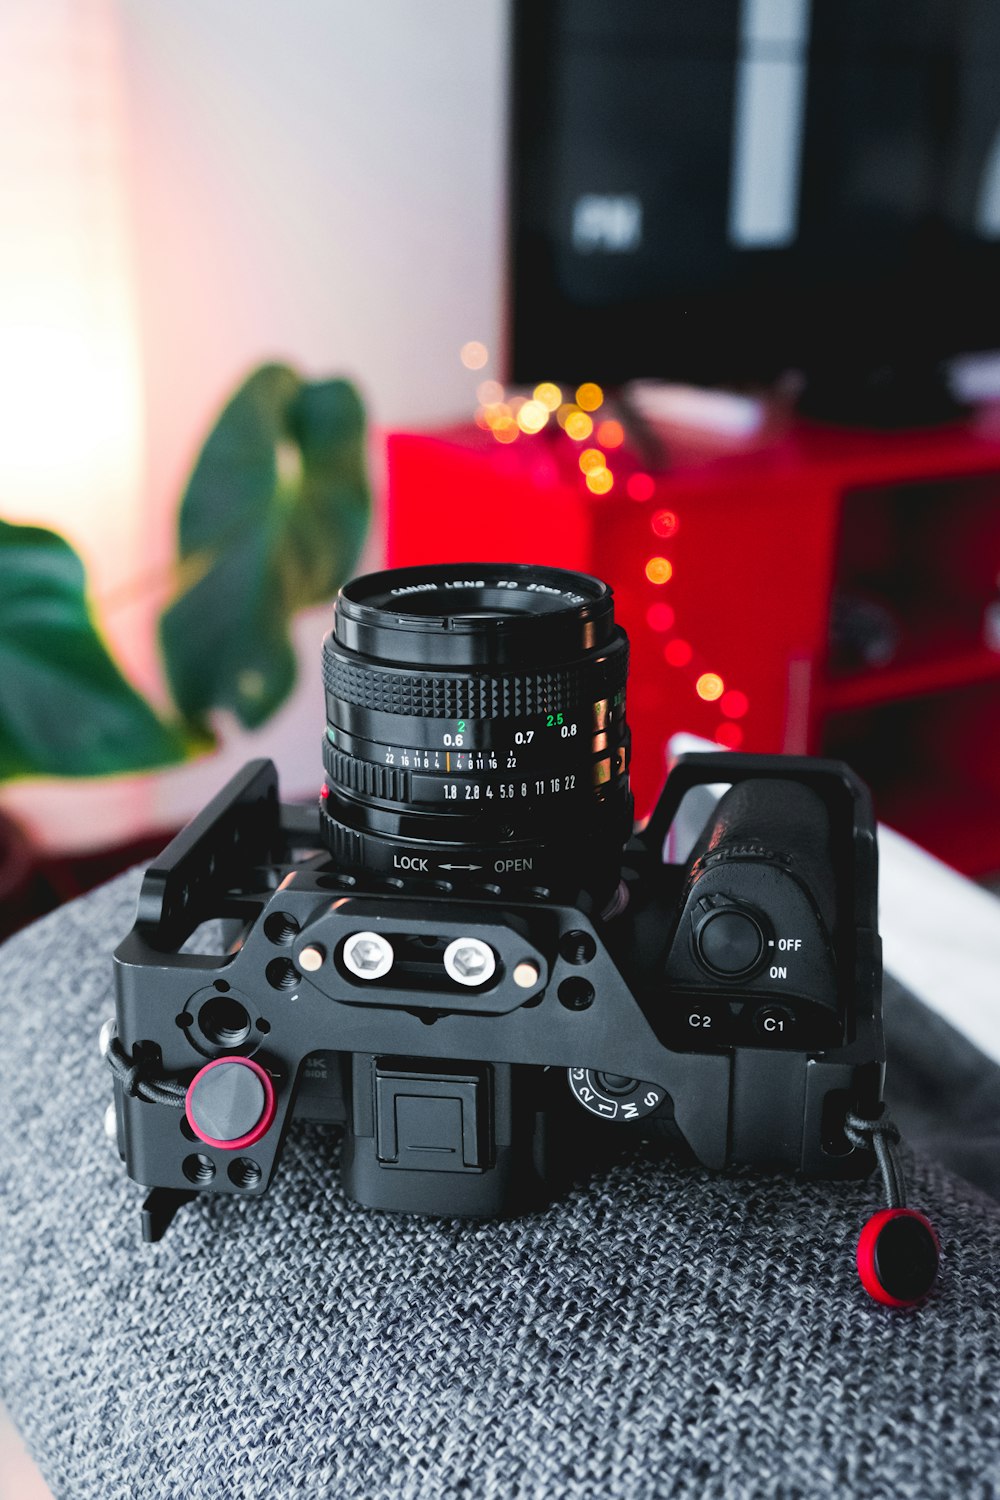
{"x": 476, "y": 734}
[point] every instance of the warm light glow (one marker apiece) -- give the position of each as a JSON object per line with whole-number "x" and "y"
{"x": 640, "y": 487}
{"x": 480, "y": 418}
{"x": 507, "y": 434}
{"x": 734, "y": 704}
{"x": 730, "y": 735}
{"x": 610, "y": 434}
{"x": 659, "y": 570}
{"x": 591, "y": 459}
{"x": 660, "y": 617}
{"x": 678, "y": 653}
{"x": 71, "y": 383}
{"x": 565, "y": 412}
{"x": 578, "y": 426}
{"x": 499, "y": 415}
{"x": 599, "y": 481}
{"x": 532, "y": 416}
{"x": 548, "y": 394}
{"x": 489, "y": 393}
{"x": 473, "y": 355}
{"x": 710, "y": 686}
{"x": 589, "y": 396}
{"x": 664, "y": 523}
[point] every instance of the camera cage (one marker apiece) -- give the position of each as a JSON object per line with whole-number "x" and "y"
{"x": 246, "y": 860}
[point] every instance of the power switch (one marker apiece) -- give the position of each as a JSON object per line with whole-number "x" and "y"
{"x": 729, "y": 941}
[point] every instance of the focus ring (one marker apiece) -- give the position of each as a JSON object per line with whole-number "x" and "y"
{"x": 365, "y": 776}
{"x": 482, "y": 696}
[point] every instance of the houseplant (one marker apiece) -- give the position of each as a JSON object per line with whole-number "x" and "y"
{"x": 272, "y": 520}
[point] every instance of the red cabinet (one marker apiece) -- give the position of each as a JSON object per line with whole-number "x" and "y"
{"x": 816, "y": 589}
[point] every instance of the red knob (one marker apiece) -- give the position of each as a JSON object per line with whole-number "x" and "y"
{"x": 230, "y": 1103}
{"x": 898, "y": 1257}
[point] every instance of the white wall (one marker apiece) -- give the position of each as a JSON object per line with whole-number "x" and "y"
{"x": 311, "y": 180}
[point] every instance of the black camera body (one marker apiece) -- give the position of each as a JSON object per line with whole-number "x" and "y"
{"x": 480, "y": 1036}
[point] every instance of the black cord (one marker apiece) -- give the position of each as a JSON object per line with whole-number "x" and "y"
{"x": 130, "y": 1075}
{"x": 880, "y": 1135}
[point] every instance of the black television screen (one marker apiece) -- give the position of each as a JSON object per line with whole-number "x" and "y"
{"x": 719, "y": 190}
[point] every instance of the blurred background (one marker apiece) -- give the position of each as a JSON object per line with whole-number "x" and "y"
{"x": 700, "y": 298}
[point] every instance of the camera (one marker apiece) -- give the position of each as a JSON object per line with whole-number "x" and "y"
{"x": 465, "y": 955}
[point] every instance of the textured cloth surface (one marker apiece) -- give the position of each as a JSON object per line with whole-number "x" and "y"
{"x": 659, "y": 1332}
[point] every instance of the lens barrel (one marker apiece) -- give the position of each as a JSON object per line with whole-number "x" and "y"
{"x": 476, "y": 733}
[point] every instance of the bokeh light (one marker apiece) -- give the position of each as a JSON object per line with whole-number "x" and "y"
{"x": 564, "y": 412}
{"x": 659, "y": 570}
{"x": 578, "y": 426}
{"x": 610, "y": 434}
{"x": 548, "y": 394}
{"x": 710, "y": 686}
{"x": 730, "y": 735}
{"x": 677, "y": 652}
{"x": 473, "y": 355}
{"x": 532, "y": 416}
{"x": 664, "y": 523}
{"x": 507, "y": 434}
{"x": 589, "y": 396}
{"x": 599, "y": 481}
{"x": 734, "y": 704}
{"x": 640, "y": 487}
{"x": 591, "y": 459}
{"x": 489, "y": 393}
{"x": 660, "y": 617}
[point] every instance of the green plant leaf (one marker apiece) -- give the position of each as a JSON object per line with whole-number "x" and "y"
{"x": 65, "y": 708}
{"x": 273, "y": 519}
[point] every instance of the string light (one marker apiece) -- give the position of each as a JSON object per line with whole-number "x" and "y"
{"x": 589, "y": 396}
{"x": 640, "y": 487}
{"x": 664, "y": 523}
{"x": 660, "y": 617}
{"x": 610, "y": 434}
{"x": 659, "y": 570}
{"x": 599, "y": 481}
{"x": 730, "y": 735}
{"x": 578, "y": 426}
{"x": 591, "y": 459}
{"x": 548, "y": 394}
{"x": 710, "y": 686}
{"x": 473, "y": 355}
{"x": 677, "y": 652}
{"x": 734, "y": 704}
{"x": 532, "y": 416}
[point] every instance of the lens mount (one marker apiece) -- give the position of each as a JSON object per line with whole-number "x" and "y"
{"x": 476, "y": 728}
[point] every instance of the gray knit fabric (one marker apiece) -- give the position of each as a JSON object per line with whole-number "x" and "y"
{"x": 660, "y": 1332}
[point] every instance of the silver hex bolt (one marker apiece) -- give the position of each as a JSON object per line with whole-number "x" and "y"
{"x": 468, "y": 960}
{"x": 107, "y": 1032}
{"x": 368, "y": 955}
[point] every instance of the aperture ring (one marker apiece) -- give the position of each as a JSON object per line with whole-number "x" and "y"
{"x": 511, "y": 695}
{"x": 365, "y": 777}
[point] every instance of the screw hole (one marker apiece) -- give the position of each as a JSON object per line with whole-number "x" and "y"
{"x": 577, "y": 947}
{"x": 263, "y": 1026}
{"x": 280, "y": 928}
{"x": 244, "y": 1172}
{"x": 576, "y": 993}
{"x": 198, "y": 1168}
{"x": 183, "y": 1020}
{"x": 282, "y": 974}
{"x": 222, "y": 984}
{"x": 224, "y": 1022}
